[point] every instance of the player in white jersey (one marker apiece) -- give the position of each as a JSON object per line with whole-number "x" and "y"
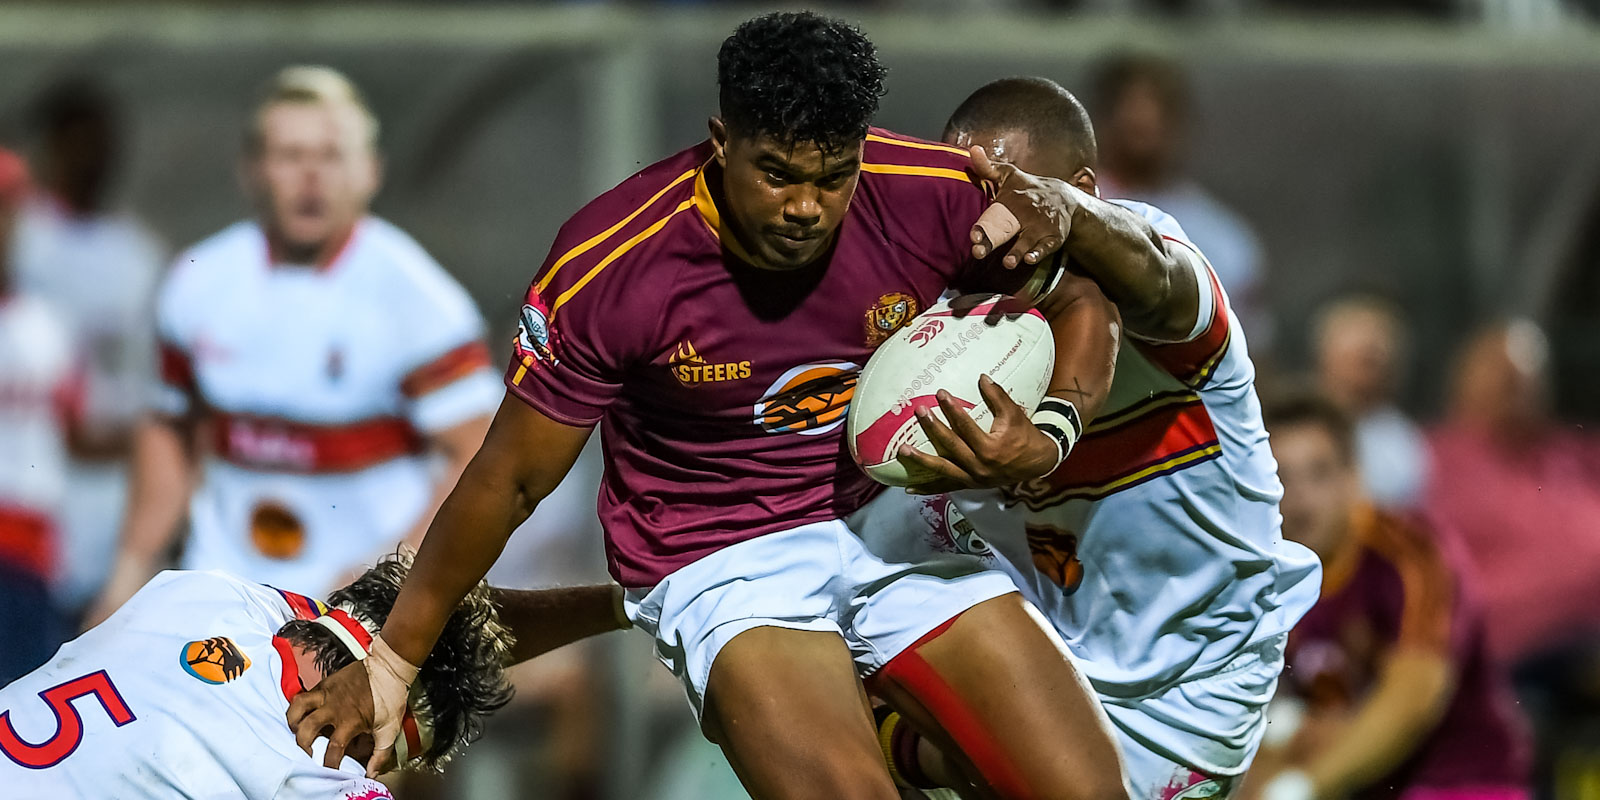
{"x": 182, "y": 693}
{"x": 1155, "y": 548}
{"x": 327, "y": 354}
{"x": 39, "y": 396}
{"x": 98, "y": 267}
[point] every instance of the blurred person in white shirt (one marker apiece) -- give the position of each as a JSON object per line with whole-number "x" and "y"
{"x": 1142, "y": 113}
{"x": 98, "y": 267}
{"x": 1360, "y": 344}
{"x": 39, "y": 395}
{"x": 322, "y": 357}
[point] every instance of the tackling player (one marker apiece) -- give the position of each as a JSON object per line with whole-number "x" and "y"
{"x": 182, "y": 692}
{"x": 1154, "y": 549}
{"x": 711, "y": 313}
{"x": 326, "y": 354}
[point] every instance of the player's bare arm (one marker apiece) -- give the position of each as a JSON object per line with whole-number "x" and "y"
{"x": 161, "y": 480}
{"x": 1086, "y": 327}
{"x": 1151, "y": 279}
{"x": 524, "y": 456}
{"x": 546, "y": 619}
{"x": 456, "y": 444}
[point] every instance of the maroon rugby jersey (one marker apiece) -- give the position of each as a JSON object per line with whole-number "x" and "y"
{"x": 1395, "y": 585}
{"x": 722, "y": 388}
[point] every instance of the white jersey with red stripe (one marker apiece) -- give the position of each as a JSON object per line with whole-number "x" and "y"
{"x": 99, "y": 271}
{"x": 180, "y": 694}
{"x": 320, "y": 384}
{"x": 39, "y": 388}
{"x": 1155, "y": 547}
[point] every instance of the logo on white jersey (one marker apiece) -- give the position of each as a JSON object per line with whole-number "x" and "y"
{"x": 215, "y": 661}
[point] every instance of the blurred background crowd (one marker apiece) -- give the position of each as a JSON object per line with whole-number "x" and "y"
{"x": 1401, "y": 196}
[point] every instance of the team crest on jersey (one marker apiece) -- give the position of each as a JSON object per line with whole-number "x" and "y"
{"x": 808, "y": 399}
{"x": 215, "y": 661}
{"x": 276, "y": 531}
{"x": 1055, "y": 554}
{"x": 889, "y": 314}
{"x": 535, "y": 339}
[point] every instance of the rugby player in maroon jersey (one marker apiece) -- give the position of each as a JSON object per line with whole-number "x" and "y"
{"x": 710, "y": 313}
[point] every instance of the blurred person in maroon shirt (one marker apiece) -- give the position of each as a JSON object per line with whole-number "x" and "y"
{"x": 1522, "y": 491}
{"x": 1395, "y": 689}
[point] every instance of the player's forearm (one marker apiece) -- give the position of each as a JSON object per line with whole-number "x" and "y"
{"x": 457, "y": 444}
{"x": 1154, "y": 290}
{"x": 464, "y": 540}
{"x": 1087, "y": 330}
{"x": 545, "y": 619}
{"x": 1411, "y": 697}
{"x": 161, "y": 480}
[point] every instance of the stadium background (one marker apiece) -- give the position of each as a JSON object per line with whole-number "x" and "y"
{"x": 1442, "y": 154}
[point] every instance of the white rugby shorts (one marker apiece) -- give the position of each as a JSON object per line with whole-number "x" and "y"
{"x": 844, "y": 576}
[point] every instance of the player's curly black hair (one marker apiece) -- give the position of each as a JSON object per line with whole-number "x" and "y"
{"x": 801, "y": 78}
{"x": 462, "y": 680}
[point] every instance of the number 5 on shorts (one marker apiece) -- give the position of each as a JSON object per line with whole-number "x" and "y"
{"x": 69, "y": 723}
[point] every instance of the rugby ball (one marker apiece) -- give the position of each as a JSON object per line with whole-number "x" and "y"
{"x": 946, "y": 347}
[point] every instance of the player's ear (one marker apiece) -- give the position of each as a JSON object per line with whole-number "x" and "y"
{"x": 719, "y": 140}
{"x": 1084, "y": 180}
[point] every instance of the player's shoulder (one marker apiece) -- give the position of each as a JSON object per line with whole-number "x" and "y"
{"x": 1403, "y": 540}
{"x": 400, "y": 269}
{"x": 203, "y": 589}
{"x": 1164, "y": 223}
{"x": 218, "y": 258}
{"x": 891, "y": 160}
{"x": 657, "y": 216}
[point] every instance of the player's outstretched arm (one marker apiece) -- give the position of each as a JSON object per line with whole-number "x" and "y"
{"x": 163, "y": 475}
{"x": 545, "y": 619}
{"x": 523, "y": 457}
{"x": 1411, "y": 697}
{"x": 1151, "y": 280}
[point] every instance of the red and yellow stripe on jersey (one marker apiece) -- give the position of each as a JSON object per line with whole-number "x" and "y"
{"x": 1161, "y": 435}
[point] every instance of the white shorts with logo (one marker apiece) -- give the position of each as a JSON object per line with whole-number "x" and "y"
{"x": 845, "y": 576}
{"x": 1196, "y": 739}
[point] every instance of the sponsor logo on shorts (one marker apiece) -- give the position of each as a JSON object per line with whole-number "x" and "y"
{"x": 808, "y": 399}
{"x": 1055, "y": 553}
{"x": 692, "y": 370}
{"x": 889, "y": 314}
{"x": 215, "y": 661}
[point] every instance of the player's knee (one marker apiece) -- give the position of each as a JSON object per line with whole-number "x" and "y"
{"x": 851, "y": 778}
{"x": 1066, "y": 784}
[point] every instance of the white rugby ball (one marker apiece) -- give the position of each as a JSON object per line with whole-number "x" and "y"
{"x": 946, "y": 347}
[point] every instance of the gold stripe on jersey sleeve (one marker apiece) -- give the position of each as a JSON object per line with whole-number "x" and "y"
{"x": 926, "y": 172}
{"x": 608, "y": 232}
{"x": 873, "y": 137}
{"x": 616, "y": 254}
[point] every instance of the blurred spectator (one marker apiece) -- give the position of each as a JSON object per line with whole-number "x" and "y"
{"x": 1361, "y": 351}
{"x": 1399, "y": 695}
{"x": 1523, "y": 491}
{"x": 326, "y": 354}
{"x": 38, "y": 388}
{"x": 1141, "y": 110}
{"x": 99, "y": 268}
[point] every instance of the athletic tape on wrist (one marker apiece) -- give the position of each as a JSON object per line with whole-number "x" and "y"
{"x": 1059, "y": 420}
